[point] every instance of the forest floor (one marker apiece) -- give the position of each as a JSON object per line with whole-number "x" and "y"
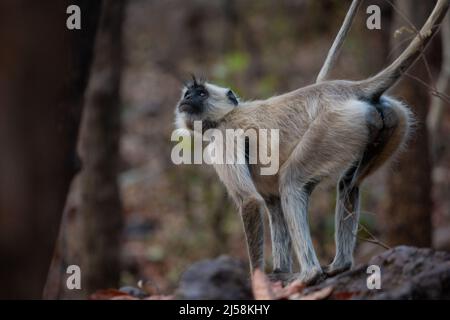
{"x": 399, "y": 273}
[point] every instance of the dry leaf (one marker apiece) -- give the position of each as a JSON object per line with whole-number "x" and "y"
{"x": 126, "y": 297}
{"x": 295, "y": 287}
{"x": 107, "y": 294}
{"x": 344, "y": 295}
{"x": 317, "y": 295}
{"x": 277, "y": 289}
{"x": 261, "y": 286}
{"x": 160, "y": 297}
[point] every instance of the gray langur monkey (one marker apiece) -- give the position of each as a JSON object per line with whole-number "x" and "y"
{"x": 337, "y": 128}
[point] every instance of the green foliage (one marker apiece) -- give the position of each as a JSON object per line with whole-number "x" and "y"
{"x": 237, "y": 61}
{"x": 267, "y": 85}
{"x": 231, "y": 65}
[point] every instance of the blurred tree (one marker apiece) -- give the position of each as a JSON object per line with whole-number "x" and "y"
{"x": 436, "y": 114}
{"x": 68, "y": 248}
{"x": 93, "y": 209}
{"x": 43, "y": 73}
{"x": 408, "y": 217}
{"x": 100, "y": 206}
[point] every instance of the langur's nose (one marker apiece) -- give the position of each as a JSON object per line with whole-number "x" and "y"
{"x": 184, "y": 107}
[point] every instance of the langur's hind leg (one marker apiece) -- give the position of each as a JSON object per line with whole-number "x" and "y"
{"x": 321, "y": 151}
{"x": 346, "y": 223}
{"x": 382, "y": 122}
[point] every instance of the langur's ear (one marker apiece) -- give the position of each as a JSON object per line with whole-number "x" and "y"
{"x": 232, "y": 97}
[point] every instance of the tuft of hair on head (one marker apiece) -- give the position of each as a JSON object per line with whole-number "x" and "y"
{"x": 194, "y": 82}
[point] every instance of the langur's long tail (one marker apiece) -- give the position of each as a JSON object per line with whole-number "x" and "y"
{"x": 375, "y": 86}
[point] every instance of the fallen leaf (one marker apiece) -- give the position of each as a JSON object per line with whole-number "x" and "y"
{"x": 316, "y": 295}
{"x": 277, "y": 288}
{"x": 261, "y": 286}
{"x": 160, "y": 297}
{"x": 126, "y": 297}
{"x": 107, "y": 294}
{"x": 344, "y": 295}
{"x": 295, "y": 287}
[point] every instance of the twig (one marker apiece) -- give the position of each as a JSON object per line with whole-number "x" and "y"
{"x": 373, "y": 238}
{"x": 432, "y": 87}
{"x": 377, "y": 242}
{"x": 330, "y": 61}
{"x": 434, "y": 92}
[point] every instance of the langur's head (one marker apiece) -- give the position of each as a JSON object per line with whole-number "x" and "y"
{"x": 202, "y": 101}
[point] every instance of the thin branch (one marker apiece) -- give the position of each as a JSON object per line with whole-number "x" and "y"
{"x": 385, "y": 79}
{"x": 377, "y": 242}
{"x": 432, "y": 89}
{"x": 417, "y": 33}
{"x": 372, "y": 239}
{"x": 338, "y": 42}
{"x": 403, "y": 16}
{"x": 398, "y": 45}
{"x": 433, "y": 92}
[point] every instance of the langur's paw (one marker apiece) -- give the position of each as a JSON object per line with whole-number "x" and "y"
{"x": 284, "y": 277}
{"x": 311, "y": 276}
{"x": 336, "y": 268}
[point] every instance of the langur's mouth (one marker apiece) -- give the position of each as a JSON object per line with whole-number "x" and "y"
{"x": 188, "y": 108}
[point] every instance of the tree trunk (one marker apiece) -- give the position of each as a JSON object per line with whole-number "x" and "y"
{"x": 100, "y": 207}
{"x": 437, "y": 110}
{"x": 43, "y": 73}
{"x": 68, "y": 248}
{"x": 408, "y": 218}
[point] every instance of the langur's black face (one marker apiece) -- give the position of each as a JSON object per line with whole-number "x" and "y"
{"x": 193, "y": 101}
{"x": 202, "y": 101}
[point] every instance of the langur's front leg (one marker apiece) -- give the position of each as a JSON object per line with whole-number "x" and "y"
{"x": 252, "y": 213}
{"x": 252, "y": 208}
{"x": 281, "y": 241}
{"x": 294, "y": 200}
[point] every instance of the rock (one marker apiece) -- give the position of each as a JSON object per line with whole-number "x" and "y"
{"x": 406, "y": 273}
{"x": 219, "y": 279}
